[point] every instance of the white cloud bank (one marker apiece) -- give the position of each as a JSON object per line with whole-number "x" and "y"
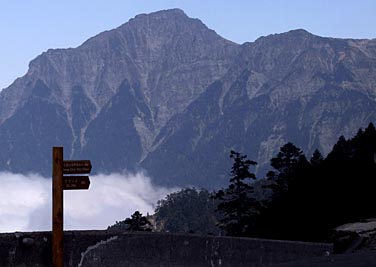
{"x": 25, "y": 201}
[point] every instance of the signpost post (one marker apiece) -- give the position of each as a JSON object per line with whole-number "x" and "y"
{"x": 57, "y": 207}
{"x": 60, "y": 183}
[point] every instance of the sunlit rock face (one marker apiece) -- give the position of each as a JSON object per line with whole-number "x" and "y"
{"x": 165, "y": 93}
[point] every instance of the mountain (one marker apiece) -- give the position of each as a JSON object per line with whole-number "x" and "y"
{"x": 166, "y": 94}
{"x": 109, "y": 98}
{"x": 286, "y": 87}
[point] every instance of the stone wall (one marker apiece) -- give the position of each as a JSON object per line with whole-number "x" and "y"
{"x": 113, "y": 249}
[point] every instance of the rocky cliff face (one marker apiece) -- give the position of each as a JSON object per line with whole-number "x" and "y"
{"x": 287, "y": 87}
{"x": 165, "y": 93}
{"x": 114, "y": 93}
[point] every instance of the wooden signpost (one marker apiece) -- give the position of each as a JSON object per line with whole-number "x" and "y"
{"x": 60, "y": 183}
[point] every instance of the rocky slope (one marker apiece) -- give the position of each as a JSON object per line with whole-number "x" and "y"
{"x": 157, "y": 63}
{"x": 166, "y": 94}
{"x": 287, "y": 87}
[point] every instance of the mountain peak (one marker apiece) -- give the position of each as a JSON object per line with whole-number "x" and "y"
{"x": 167, "y": 15}
{"x": 165, "y": 12}
{"x": 299, "y": 32}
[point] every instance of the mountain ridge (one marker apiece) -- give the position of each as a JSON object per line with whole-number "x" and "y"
{"x": 165, "y": 93}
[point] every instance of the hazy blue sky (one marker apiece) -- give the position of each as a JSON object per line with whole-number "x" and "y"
{"x": 27, "y": 28}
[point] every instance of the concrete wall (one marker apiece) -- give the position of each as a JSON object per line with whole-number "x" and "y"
{"x": 113, "y": 249}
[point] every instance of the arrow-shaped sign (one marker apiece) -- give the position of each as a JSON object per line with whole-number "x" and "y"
{"x": 76, "y": 166}
{"x": 76, "y": 182}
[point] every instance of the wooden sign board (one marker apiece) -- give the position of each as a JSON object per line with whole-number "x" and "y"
{"x": 76, "y": 182}
{"x": 76, "y": 166}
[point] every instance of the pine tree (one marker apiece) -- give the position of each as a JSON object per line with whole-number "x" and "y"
{"x": 279, "y": 217}
{"x": 236, "y": 203}
{"x": 289, "y": 161}
{"x": 137, "y": 222}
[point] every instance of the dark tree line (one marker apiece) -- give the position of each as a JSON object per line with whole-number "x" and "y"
{"x": 137, "y": 222}
{"x": 308, "y": 198}
{"x": 300, "y": 199}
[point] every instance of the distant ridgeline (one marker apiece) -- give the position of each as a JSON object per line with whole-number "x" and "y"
{"x": 165, "y": 93}
{"x": 301, "y": 199}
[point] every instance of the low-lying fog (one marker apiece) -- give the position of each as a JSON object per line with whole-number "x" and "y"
{"x": 25, "y": 201}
